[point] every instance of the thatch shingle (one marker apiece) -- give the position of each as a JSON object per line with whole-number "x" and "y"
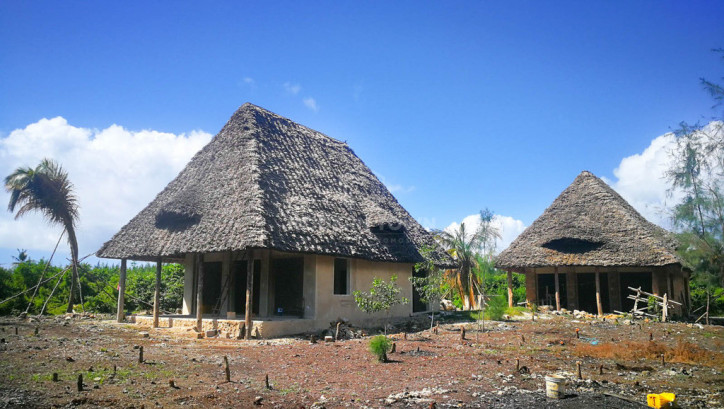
{"x": 590, "y": 224}
{"x": 267, "y": 182}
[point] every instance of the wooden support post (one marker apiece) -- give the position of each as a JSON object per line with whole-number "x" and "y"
{"x": 665, "y": 308}
{"x": 599, "y": 306}
{"x": 510, "y": 289}
{"x": 558, "y": 292}
{"x": 157, "y": 294}
{"x": 249, "y": 291}
{"x": 199, "y": 264}
{"x": 120, "y": 314}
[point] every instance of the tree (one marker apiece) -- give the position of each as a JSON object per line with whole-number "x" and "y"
{"x": 697, "y": 170}
{"x": 464, "y": 246}
{"x": 431, "y": 286}
{"x": 47, "y": 189}
{"x": 381, "y": 297}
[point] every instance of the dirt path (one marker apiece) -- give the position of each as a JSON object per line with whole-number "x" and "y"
{"x": 477, "y": 372}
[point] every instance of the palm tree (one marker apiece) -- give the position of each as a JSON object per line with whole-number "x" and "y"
{"x": 465, "y": 248}
{"x": 46, "y": 189}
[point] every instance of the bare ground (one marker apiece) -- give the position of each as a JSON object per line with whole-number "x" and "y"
{"x": 479, "y": 371}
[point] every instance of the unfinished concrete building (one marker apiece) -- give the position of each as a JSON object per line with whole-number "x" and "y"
{"x": 589, "y": 246}
{"x": 278, "y": 224}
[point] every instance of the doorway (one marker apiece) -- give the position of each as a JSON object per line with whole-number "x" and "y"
{"x": 212, "y": 286}
{"x": 587, "y": 292}
{"x": 547, "y": 289}
{"x": 287, "y": 275}
{"x": 417, "y": 304}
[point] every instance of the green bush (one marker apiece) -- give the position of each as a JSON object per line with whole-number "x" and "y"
{"x": 380, "y": 346}
{"x": 496, "y": 308}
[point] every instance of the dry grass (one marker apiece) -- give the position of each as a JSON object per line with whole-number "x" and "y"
{"x": 682, "y": 352}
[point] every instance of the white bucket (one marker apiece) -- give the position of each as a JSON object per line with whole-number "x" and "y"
{"x": 555, "y": 386}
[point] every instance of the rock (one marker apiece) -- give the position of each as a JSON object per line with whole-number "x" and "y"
{"x": 328, "y": 338}
{"x": 257, "y": 400}
{"x": 143, "y": 334}
{"x": 211, "y": 333}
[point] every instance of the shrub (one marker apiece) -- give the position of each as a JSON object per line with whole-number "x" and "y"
{"x": 380, "y": 346}
{"x": 496, "y": 308}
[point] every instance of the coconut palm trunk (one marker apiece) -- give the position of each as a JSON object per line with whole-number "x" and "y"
{"x": 73, "y": 242}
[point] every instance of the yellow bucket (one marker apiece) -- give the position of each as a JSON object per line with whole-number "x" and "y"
{"x": 555, "y": 386}
{"x": 661, "y": 400}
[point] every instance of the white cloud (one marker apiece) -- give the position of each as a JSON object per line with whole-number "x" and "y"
{"x": 116, "y": 172}
{"x": 641, "y": 178}
{"x": 292, "y": 88}
{"x": 508, "y": 227}
{"x": 249, "y": 81}
{"x": 311, "y": 103}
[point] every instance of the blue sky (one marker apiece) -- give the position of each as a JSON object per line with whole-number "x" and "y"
{"x": 456, "y": 105}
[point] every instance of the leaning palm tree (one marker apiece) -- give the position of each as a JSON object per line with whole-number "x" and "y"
{"x": 46, "y": 189}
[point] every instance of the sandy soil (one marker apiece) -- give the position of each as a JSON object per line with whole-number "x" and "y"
{"x": 479, "y": 371}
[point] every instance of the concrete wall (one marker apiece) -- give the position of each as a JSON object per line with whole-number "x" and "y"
{"x": 330, "y": 306}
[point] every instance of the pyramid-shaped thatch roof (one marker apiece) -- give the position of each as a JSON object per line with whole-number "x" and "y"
{"x": 267, "y": 182}
{"x": 590, "y": 224}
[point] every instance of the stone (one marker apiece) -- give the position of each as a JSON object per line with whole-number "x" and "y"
{"x": 143, "y": 334}
{"x": 211, "y": 333}
{"x": 328, "y": 338}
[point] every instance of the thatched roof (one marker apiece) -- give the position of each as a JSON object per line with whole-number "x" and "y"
{"x": 590, "y": 224}
{"x": 267, "y": 182}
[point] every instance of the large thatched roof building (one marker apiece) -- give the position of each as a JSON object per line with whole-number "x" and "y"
{"x": 590, "y": 238}
{"x": 315, "y": 220}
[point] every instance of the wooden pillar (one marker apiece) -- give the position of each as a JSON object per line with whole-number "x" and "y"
{"x": 598, "y": 293}
{"x": 249, "y": 291}
{"x": 510, "y": 289}
{"x": 199, "y": 263}
{"x": 157, "y": 294}
{"x": 531, "y": 285}
{"x": 120, "y": 314}
{"x": 558, "y": 291}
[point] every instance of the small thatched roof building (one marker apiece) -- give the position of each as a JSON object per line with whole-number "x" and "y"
{"x": 591, "y": 232}
{"x": 310, "y": 214}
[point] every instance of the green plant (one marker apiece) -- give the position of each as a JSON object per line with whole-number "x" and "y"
{"x": 381, "y": 297}
{"x": 496, "y": 308}
{"x": 380, "y": 346}
{"x": 430, "y": 287}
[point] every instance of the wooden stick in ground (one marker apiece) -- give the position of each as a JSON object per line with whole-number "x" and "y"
{"x": 462, "y": 333}
{"x": 266, "y": 381}
{"x": 55, "y": 376}
{"x": 226, "y": 369}
{"x": 517, "y": 365}
{"x": 336, "y": 333}
{"x": 578, "y": 367}
{"x": 80, "y": 382}
{"x": 140, "y": 354}
{"x": 600, "y": 369}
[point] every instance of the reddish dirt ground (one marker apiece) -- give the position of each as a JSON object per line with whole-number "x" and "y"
{"x": 479, "y": 371}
